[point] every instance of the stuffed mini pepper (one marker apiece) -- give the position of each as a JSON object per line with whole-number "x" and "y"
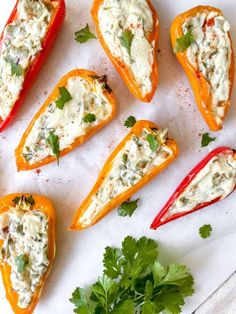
{"x": 27, "y": 248}
{"x": 143, "y": 154}
{"x": 80, "y": 105}
{"x": 202, "y": 43}
{"x": 128, "y": 31}
{"x": 24, "y": 45}
{"x": 212, "y": 180}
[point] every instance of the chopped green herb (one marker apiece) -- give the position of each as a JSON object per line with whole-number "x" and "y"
{"x": 134, "y": 281}
{"x": 205, "y": 231}
{"x": 124, "y": 158}
{"x": 16, "y": 69}
{"x": 126, "y": 40}
{"x": 53, "y": 142}
{"x": 127, "y": 208}
{"x": 153, "y": 143}
{"x": 206, "y": 139}
{"x": 21, "y": 262}
{"x": 83, "y": 35}
{"x": 24, "y": 199}
{"x": 89, "y": 118}
{"x": 65, "y": 96}
{"x": 184, "y": 42}
{"x": 130, "y": 122}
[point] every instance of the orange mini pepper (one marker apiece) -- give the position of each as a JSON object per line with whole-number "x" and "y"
{"x": 120, "y": 66}
{"x": 137, "y": 130}
{"x": 90, "y": 76}
{"x": 44, "y": 205}
{"x": 200, "y": 85}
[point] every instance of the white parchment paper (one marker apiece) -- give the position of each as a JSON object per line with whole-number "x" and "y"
{"x": 79, "y": 254}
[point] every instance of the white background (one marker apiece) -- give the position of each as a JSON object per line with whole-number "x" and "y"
{"x": 79, "y": 254}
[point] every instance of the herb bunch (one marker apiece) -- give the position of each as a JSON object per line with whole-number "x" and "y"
{"x": 134, "y": 281}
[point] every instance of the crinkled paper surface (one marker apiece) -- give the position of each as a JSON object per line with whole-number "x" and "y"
{"x": 79, "y": 254}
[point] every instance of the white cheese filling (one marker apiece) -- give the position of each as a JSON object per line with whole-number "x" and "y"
{"x": 21, "y": 43}
{"x": 132, "y": 163}
{"x": 117, "y": 16}
{"x": 68, "y": 123}
{"x": 25, "y": 236}
{"x": 211, "y": 54}
{"x": 216, "y": 179}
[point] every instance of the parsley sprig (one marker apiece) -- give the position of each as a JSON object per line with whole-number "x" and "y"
{"x": 126, "y": 40}
{"x": 184, "y": 42}
{"x": 16, "y": 69}
{"x": 53, "y": 142}
{"x": 206, "y": 139}
{"x": 89, "y": 118}
{"x": 153, "y": 142}
{"x": 65, "y": 96}
{"x": 128, "y": 208}
{"x": 205, "y": 231}
{"x": 134, "y": 281}
{"x": 21, "y": 262}
{"x": 83, "y": 35}
{"x": 130, "y": 122}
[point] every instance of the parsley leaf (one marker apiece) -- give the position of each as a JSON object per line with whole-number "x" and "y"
{"x": 53, "y": 142}
{"x": 130, "y": 122}
{"x": 21, "y": 262}
{"x": 89, "y": 118}
{"x": 65, "y": 96}
{"x": 16, "y": 69}
{"x": 153, "y": 143}
{"x": 205, "y": 231}
{"x": 83, "y": 35}
{"x": 206, "y": 139}
{"x": 184, "y": 42}
{"x": 126, "y": 40}
{"x": 127, "y": 208}
{"x": 23, "y": 199}
{"x": 134, "y": 281}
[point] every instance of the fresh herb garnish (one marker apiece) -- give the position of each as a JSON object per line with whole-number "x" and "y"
{"x": 24, "y": 199}
{"x": 16, "y": 69}
{"x": 89, "y": 118}
{"x": 53, "y": 142}
{"x": 134, "y": 281}
{"x": 65, "y": 96}
{"x": 124, "y": 158}
{"x": 205, "y": 231}
{"x": 21, "y": 262}
{"x": 206, "y": 139}
{"x": 184, "y": 42}
{"x": 83, "y": 35}
{"x": 153, "y": 143}
{"x": 130, "y": 122}
{"x": 127, "y": 208}
{"x": 126, "y": 40}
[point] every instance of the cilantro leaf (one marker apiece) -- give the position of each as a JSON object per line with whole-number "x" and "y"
{"x": 65, "y": 96}
{"x": 205, "y": 231}
{"x": 89, "y": 118}
{"x": 206, "y": 139}
{"x": 112, "y": 261}
{"x": 83, "y": 35}
{"x": 21, "y": 262}
{"x": 16, "y": 69}
{"x": 127, "y": 208}
{"x": 135, "y": 282}
{"x": 153, "y": 143}
{"x": 126, "y": 40}
{"x": 184, "y": 42}
{"x": 53, "y": 142}
{"x": 130, "y": 122}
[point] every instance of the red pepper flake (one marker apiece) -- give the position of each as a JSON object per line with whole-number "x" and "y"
{"x": 209, "y": 23}
{"x": 198, "y": 74}
{"x": 38, "y": 171}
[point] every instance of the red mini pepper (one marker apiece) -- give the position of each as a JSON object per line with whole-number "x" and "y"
{"x": 32, "y": 72}
{"x": 162, "y": 217}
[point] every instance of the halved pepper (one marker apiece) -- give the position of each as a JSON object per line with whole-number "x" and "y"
{"x": 42, "y": 204}
{"x": 201, "y": 85}
{"x": 143, "y": 154}
{"x": 212, "y": 180}
{"x": 57, "y": 19}
{"x": 93, "y": 80}
{"x": 122, "y": 68}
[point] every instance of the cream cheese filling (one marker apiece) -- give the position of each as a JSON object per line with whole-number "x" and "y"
{"x": 117, "y": 16}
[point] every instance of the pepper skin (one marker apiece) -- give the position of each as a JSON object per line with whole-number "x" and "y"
{"x": 87, "y": 75}
{"x": 121, "y": 68}
{"x": 32, "y": 72}
{"x": 201, "y": 87}
{"x": 161, "y": 219}
{"x": 122, "y": 197}
{"x": 44, "y": 205}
